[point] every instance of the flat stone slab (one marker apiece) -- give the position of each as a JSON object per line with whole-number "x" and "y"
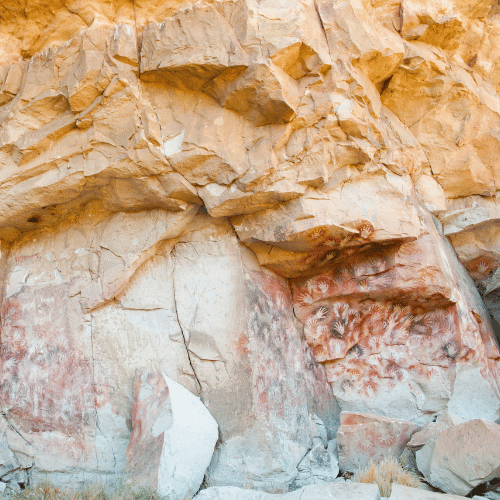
{"x": 338, "y": 491}
{"x": 400, "y": 492}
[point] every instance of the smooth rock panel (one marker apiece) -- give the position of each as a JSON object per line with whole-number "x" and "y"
{"x": 67, "y": 372}
{"x": 257, "y": 376}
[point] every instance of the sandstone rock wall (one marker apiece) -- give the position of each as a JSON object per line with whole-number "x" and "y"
{"x": 257, "y": 198}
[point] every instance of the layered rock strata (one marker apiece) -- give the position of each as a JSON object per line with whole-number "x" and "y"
{"x": 256, "y": 198}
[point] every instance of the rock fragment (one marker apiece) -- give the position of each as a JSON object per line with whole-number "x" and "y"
{"x": 191, "y": 49}
{"x": 363, "y": 437}
{"x": 460, "y": 458}
{"x": 320, "y": 465}
{"x": 173, "y": 438}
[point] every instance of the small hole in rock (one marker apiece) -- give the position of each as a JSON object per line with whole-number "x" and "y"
{"x": 34, "y": 219}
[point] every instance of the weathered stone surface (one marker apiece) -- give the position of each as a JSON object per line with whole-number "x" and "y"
{"x": 264, "y": 94}
{"x": 358, "y": 326}
{"x": 370, "y": 47}
{"x": 191, "y": 49}
{"x": 249, "y": 359}
{"x": 363, "y": 437}
{"x": 426, "y": 433}
{"x": 314, "y": 230}
{"x": 461, "y": 457}
{"x": 400, "y": 492}
{"x": 229, "y": 492}
{"x": 320, "y": 465}
{"x": 107, "y": 320}
{"x": 55, "y": 283}
{"x": 173, "y": 437}
{"x": 339, "y": 491}
{"x": 317, "y": 136}
{"x": 471, "y": 225}
{"x": 16, "y": 454}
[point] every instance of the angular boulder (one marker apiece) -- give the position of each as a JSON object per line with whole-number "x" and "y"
{"x": 191, "y": 49}
{"x": 364, "y": 436}
{"x": 173, "y": 438}
{"x": 462, "y": 457}
{"x": 320, "y": 465}
{"x": 264, "y": 94}
{"x": 427, "y": 432}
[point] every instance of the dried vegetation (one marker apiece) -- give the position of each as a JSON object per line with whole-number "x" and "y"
{"x": 386, "y": 472}
{"x": 46, "y": 491}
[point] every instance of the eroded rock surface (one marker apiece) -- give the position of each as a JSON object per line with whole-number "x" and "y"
{"x": 364, "y": 437}
{"x": 400, "y": 492}
{"x": 173, "y": 437}
{"x": 461, "y": 457}
{"x": 339, "y": 490}
{"x": 256, "y": 198}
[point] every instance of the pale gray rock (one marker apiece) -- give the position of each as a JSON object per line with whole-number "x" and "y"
{"x": 339, "y": 491}
{"x": 249, "y": 359}
{"x": 462, "y": 457}
{"x": 492, "y": 495}
{"x": 318, "y": 466}
{"x": 400, "y": 492}
{"x": 473, "y": 397}
{"x": 232, "y": 492}
{"x": 426, "y": 433}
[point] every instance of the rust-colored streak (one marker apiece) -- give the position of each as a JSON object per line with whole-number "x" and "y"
{"x": 46, "y": 378}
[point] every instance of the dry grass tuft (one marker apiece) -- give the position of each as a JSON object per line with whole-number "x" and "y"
{"x": 44, "y": 491}
{"x": 47, "y": 491}
{"x": 389, "y": 470}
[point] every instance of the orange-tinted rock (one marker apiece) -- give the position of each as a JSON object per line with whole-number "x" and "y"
{"x": 393, "y": 333}
{"x": 322, "y": 133}
{"x": 152, "y": 415}
{"x": 191, "y": 49}
{"x": 363, "y": 437}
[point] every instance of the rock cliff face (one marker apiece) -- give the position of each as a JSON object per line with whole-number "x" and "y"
{"x": 262, "y": 199}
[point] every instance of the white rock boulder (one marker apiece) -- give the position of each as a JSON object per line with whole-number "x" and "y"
{"x": 173, "y": 438}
